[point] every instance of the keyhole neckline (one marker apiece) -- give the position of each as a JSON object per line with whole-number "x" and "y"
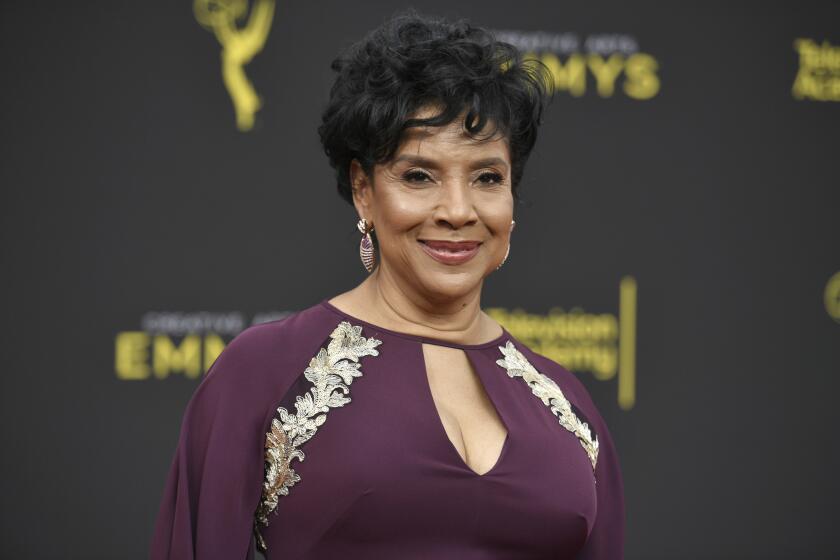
{"x": 499, "y": 340}
{"x": 441, "y": 428}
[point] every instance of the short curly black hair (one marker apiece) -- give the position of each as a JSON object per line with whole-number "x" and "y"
{"x": 412, "y": 60}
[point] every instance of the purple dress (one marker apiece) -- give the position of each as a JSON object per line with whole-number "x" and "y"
{"x": 317, "y": 437}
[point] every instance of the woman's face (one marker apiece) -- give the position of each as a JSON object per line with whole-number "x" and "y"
{"x": 441, "y": 186}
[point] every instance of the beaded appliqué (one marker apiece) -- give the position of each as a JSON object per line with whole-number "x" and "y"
{"x": 331, "y": 373}
{"x": 550, "y": 394}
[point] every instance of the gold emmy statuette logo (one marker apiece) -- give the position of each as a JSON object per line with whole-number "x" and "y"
{"x": 239, "y": 46}
{"x": 832, "y": 297}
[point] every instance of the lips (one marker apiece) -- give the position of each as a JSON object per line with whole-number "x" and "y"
{"x": 450, "y": 252}
{"x": 451, "y": 245}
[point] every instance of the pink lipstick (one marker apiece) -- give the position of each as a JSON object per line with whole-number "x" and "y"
{"x": 450, "y": 252}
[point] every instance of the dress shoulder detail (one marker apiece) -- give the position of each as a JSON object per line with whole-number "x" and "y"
{"x": 331, "y": 372}
{"x": 547, "y": 390}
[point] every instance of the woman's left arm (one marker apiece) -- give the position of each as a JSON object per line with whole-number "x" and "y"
{"x": 606, "y": 540}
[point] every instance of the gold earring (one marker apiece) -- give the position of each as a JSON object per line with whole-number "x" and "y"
{"x": 366, "y": 252}
{"x": 512, "y": 224}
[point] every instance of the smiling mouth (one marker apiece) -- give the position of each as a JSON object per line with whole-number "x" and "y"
{"x": 450, "y": 252}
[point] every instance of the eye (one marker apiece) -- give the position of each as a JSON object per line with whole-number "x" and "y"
{"x": 491, "y": 178}
{"x": 415, "y": 176}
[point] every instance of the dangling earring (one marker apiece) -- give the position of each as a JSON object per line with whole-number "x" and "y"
{"x": 366, "y": 251}
{"x": 512, "y": 223}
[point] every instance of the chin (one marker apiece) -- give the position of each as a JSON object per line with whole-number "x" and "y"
{"x": 449, "y": 285}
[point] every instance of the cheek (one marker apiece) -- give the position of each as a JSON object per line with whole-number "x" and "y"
{"x": 501, "y": 224}
{"x": 497, "y": 218}
{"x": 398, "y": 215}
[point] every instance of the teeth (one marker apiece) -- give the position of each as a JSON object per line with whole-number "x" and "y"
{"x": 447, "y": 249}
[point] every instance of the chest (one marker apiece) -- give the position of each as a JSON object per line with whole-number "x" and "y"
{"x": 467, "y": 414}
{"x": 438, "y": 454}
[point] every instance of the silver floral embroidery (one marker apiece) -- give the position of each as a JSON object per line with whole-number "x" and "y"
{"x": 550, "y": 394}
{"x": 331, "y": 373}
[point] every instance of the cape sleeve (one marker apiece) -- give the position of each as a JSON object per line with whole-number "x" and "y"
{"x": 214, "y": 483}
{"x": 606, "y": 540}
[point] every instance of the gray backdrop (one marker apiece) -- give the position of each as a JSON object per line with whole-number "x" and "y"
{"x": 130, "y": 195}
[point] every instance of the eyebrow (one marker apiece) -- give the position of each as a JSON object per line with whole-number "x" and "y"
{"x": 425, "y": 162}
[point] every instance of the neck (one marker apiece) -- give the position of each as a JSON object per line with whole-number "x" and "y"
{"x": 396, "y": 303}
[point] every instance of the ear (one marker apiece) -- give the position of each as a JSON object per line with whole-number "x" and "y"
{"x": 362, "y": 186}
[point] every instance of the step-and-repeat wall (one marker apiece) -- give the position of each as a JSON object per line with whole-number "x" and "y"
{"x": 164, "y": 188}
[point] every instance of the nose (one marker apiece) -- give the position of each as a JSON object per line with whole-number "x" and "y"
{"x": 455, "y": 208}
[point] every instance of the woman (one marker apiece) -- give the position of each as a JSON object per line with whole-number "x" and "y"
{"x": 398, "y": 420}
